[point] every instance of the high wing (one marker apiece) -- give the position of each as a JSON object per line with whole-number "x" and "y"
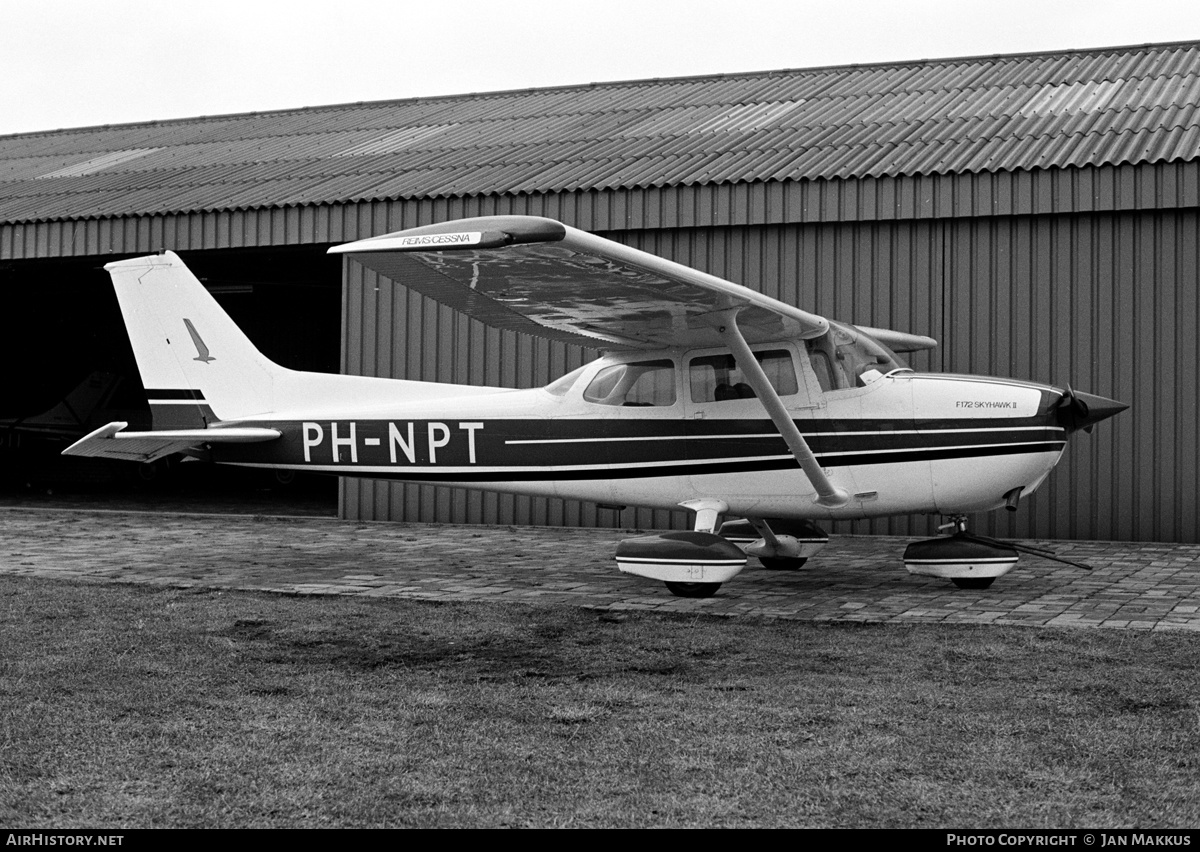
{"x": 111, "y": 442}
{"x": 548, "y": 279}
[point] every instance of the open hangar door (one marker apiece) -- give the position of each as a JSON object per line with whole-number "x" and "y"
{"x": 70, "y": 369}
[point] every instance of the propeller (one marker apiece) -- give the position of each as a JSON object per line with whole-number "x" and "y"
{"x": 1076, "y": 410}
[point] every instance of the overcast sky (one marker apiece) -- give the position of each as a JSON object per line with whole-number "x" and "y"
{"x": 75, "y": 63}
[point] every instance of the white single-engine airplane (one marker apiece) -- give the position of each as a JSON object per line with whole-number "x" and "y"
{"x": 711, "y": 396}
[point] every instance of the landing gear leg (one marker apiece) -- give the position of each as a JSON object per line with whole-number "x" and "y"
{"x": 780, "y": 544}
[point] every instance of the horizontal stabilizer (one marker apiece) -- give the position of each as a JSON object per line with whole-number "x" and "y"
{"x": 111, "y": 442}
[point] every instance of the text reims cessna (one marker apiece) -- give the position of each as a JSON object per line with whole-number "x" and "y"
{"x": 711, "y": 396}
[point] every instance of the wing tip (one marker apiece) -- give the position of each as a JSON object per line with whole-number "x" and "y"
{"x": 481, "y": 232}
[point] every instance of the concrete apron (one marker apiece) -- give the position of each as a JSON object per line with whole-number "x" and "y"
{"x": 855, "y": 578}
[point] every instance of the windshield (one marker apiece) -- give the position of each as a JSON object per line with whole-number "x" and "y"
{"x": 846, "y": 357}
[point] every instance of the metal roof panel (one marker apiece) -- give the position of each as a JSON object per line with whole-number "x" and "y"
{"x": 1092, "y": 107}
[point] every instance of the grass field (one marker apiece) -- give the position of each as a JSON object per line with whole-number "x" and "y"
{"x": 132, "y": 706}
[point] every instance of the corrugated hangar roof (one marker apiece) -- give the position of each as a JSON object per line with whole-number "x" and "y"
{"x": 1081, "y": 108}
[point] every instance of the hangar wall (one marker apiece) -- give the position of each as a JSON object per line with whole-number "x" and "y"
{"x": 1091, "y": 189}
{"x": 1084, "y": 275}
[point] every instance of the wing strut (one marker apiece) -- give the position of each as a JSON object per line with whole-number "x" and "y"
{"x": 828, "y": 494}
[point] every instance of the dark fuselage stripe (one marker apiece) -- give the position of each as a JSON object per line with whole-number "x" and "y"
{"x": 767, "y": 435}
{"x": 696, "y": 468}
{"x": 494, "y": 450}
{"x": 168, "y": 394}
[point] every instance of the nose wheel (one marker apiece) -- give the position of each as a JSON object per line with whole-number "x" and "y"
{"x": 972, "y": 582}
{"x": 969, "y": 561}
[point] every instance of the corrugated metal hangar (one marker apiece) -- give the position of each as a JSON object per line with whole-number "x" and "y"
{"x": 1036, "y": 213}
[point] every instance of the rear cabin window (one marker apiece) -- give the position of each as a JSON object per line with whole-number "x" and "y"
{"x": 717, "y": 378}
{"x": 638, "y": 383}
{"x": 562, "y": 384}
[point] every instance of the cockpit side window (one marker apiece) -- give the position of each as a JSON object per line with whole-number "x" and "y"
{"x": 717, "y": 378}
{"x": 637, "y": 383}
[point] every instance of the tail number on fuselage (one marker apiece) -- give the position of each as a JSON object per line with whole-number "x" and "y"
{"x": 404, "y": 441}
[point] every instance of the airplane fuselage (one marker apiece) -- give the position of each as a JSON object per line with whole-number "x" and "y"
{"x": 897, "y": 443}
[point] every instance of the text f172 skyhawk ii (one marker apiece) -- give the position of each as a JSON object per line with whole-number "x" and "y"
{"x": 711, "y": 396}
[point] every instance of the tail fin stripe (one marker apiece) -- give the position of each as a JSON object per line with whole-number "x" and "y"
{"x": 164, "y": 395}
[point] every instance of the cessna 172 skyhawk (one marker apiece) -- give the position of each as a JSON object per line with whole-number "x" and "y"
{"x": 711, "y": 396}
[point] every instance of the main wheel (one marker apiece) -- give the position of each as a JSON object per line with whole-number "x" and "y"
{"x": 972, "y": 582}
{"x": 781, "y": 563}
{"x": 693, "y": 590}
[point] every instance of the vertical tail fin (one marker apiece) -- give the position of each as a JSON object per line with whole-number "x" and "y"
{"x": 196, "y": 364}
